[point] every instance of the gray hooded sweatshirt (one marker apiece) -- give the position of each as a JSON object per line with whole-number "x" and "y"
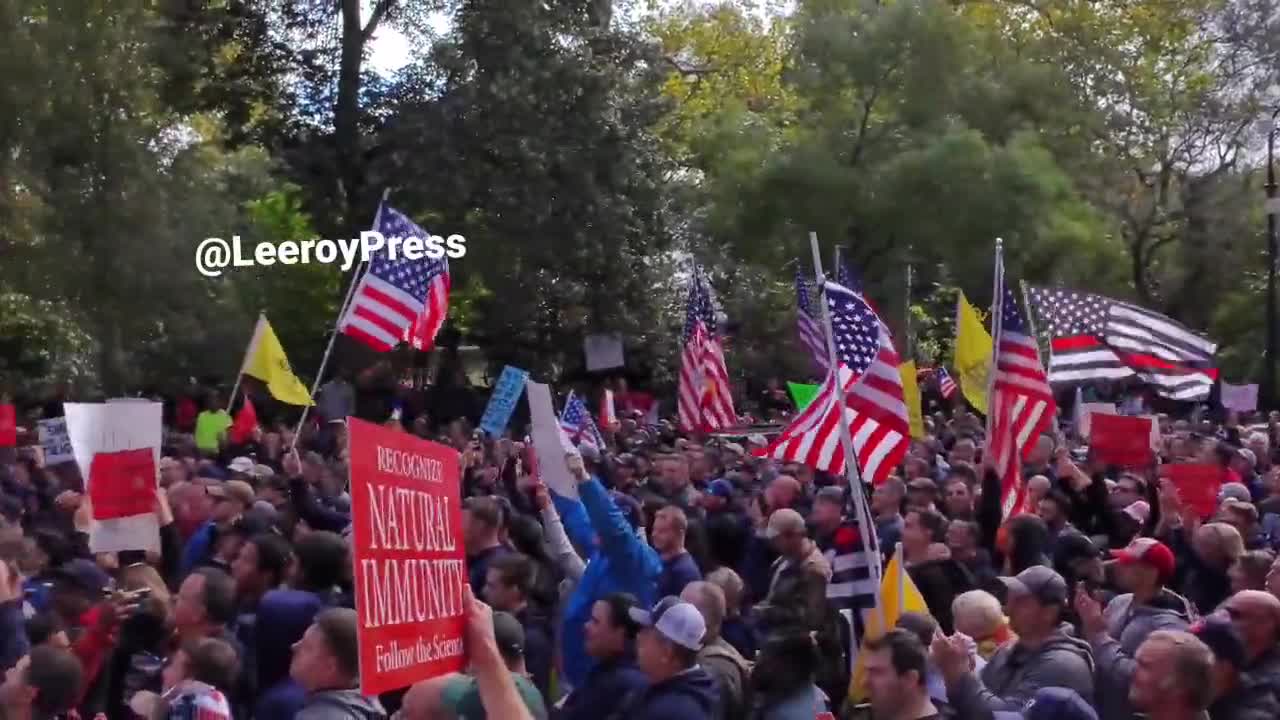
{"x": 341, "y": 705}
{"x": 1014, "y": 674}
{"x": 1128, "y": 625}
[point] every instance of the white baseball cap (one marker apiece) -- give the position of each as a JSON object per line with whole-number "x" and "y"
{"x": 679, "y": 622}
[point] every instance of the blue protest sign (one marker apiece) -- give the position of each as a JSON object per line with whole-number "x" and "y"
{"x": 506, "y": 393}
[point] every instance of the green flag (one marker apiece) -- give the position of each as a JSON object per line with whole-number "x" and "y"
{"x": 802, "y": 394}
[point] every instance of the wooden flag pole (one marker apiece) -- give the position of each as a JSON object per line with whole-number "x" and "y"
{"x": 869, "y": 544}
{"x": 333, "y": 336}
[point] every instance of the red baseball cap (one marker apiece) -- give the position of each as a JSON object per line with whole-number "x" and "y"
{"x": 1149, "y": 551}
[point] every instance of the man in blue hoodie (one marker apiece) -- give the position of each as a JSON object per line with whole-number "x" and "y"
{"x": 667, "y": 652}
{"x": 617, "y": 561}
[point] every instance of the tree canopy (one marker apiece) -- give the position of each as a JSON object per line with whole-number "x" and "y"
{"x": 590, "y": 150}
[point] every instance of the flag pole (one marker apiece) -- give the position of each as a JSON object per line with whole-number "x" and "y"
{"x": 240, "y": 375}
{"x": 846, "y": 442}
{"x": 346, "y": 301}
{"x": 906, "y": 312}
{"x": 1031, "y": 319}
{"x": 996, "y": 321}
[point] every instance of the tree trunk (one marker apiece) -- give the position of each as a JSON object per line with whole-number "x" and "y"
{"x": 346, "y": 113}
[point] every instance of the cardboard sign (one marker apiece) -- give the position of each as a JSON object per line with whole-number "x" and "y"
{"x": 1197, "y": 484}
{"x": 8, "y": 426}
{"x": 55, "y": 441}
{"x": 1241, "y": 398}
{"x": 96, "y": 429}
{"x": 122, "y": 484}
{"x": 550, "y": 441}
{"x": 603, "y": 352}
{"x": 1121, "y": 440}
{"x": 506, "y": 393}
{"x": 409, "y": 563}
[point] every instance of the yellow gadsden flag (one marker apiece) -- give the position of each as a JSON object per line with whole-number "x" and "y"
{"x": 911, "y": 396}
{"x": 973, "y": 354}
{"x": 898, "y": 595}
{"x": 265, "y": 360}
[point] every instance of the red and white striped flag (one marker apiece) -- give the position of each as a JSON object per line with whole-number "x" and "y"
{"x": 705, "y": 400}
{"x": 866, "y": 387}
{"x": 1022, "y": 405}
{"x": 809, "y": 325}
{"x": 946, "y": 385}
{"x": 399, "y": 299}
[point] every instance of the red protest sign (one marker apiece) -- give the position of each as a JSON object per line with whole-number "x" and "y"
{"x": 1197, "y": 484}
{"x": 1121, "y": 440}
{"x": 122, "y": 484}
{"x": 409, "y": 562}
{"x": 8, "y": 426}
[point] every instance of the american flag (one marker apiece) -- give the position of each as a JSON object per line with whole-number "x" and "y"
{"x": 946, "y": 385}
{"x": 399, "y": 300}
{"x": 1097, "y": 338}
{"x": 809, "y": 325}
{"x": 1022, "y": 405}
{"x": 578, "y": 425}
{"x": 705, "y": 401}
{"x": 866, "y": 387}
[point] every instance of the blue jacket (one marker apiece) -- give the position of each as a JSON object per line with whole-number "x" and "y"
{"x": 608, "y": 685}
{"x": 14, "y": 633}
{"x": 676, "y": 573}
{"x": 691, "y": 695}
{"x": 198, "y": 550}
{"x": 620, "y": 562}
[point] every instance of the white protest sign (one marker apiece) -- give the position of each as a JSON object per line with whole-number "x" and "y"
{"x": 548, "y": 441}
{"x": 603, "y": 352}
{"x": 54, "y": 440}
{"x": 107, "y": 429}
{"x": 1241, "y": 398}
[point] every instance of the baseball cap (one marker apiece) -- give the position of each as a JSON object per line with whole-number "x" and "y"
{"x": 1236, "y": 491}
{"x": 237, "y": 490}
{"x": 509, "y": 634}
{"x": 784, "y": 520}
{"x": 679, "y": 622}
{"x": 1248, "y": 455}
{"x": 1072, "y": 546}
{"x": 832, "y": 494}
{"x": 84, "y": 575}
{"x": 1058, "y": 703}
{"x": 263, "y": 471}
{"x": 720, "y": 488}
{"x": 1222, "y": 638}
{"x": 1149, "y": 551}
{"x": 626, "y": 460}
{"x": 242, "y": 465}
{"x": 1040, "y": 582}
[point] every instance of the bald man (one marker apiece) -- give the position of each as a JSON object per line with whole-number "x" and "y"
{"x": 731, "y": 671}
{"x": 1256, "y": 616}
{"x": 425, "y": 700}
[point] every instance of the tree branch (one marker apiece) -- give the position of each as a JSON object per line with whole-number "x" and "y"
{"x": 380, "y": 10}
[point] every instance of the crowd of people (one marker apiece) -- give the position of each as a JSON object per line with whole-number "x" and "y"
{"x": 687, "y": 579}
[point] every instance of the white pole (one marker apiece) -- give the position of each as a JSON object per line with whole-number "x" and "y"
{"x": 346, "y": 301}
{"x": 232, "y": 398}
{"x": 997, "y": 305}
{"x": 869, "y": 545}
